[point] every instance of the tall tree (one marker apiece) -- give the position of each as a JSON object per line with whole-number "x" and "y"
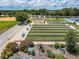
{"x": 21, "y": 16}
{"x": 71, "y": 41}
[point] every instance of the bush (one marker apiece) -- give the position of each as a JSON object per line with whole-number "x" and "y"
{"x": 6, "y": 54}
{"x": 62, "y": 46}
{"x": 13, "y": 47}
{"x": 31, "y": 53}
{"x": 60, "y": 57}
{"x": 30, "y": 43}
{"x": 29, "y": 21}
{"x": 50, "y": 54}
{"x": 23, "y": 46}
{"x": 56, "y": 45}
{"x": 10, "y": 49}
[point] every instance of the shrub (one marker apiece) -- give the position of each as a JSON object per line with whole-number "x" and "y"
{"x": 13, "y": 47}
{"x": 30, "y": 43}
{"x": 6, "y": 54}
{"x": 62, "y": 46}
{"x": 10, "y": 49}
{"x": 23, "y": 46}
{"x": 56, "y": 45}
{"x": 50, "y": 54}
{"x": 60, "y": 57}
{"x": 33, "y": 53}
{"x": 29, "y": 21}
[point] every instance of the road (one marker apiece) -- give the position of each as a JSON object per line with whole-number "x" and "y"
{"x": 22, "y": 34}
{"x": 7, "y": 35}
{"x": 13, "y": 34}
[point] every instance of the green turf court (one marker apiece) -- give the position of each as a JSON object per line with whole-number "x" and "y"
{"x": 52, "y": 32}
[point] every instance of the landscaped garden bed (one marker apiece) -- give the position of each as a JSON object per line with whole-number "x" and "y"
{"x": 12, "y": 48}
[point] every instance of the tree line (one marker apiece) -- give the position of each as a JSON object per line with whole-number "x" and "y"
{"x": 61, "y": 12}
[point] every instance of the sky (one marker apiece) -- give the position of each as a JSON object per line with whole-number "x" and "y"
{"x": 37, "y": 4}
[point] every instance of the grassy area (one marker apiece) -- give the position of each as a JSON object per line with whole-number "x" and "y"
{"x": 54, "y": 32}
{"x": 4, "y": 25}
{"x": 75, "y": 25}
{"x": 54, "y": 19}
{"x": 4, "y": 16}
{"x": 50, "y": 31}
{"x": 60, "y": 57}
{"x": 45, "y": 38}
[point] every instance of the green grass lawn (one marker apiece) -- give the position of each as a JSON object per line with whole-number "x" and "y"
{"x": 35, "y": 38}
{"x": 49, "y": 31}
{"x": 75, "y": 25}
{"x": 54, "y": 32}
{"x": 54, "y": 19}
{"x": 60, "y": 56}
{"x": 4, "y": 25}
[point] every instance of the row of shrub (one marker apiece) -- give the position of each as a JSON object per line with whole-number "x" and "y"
{"x": 57, "y": 45}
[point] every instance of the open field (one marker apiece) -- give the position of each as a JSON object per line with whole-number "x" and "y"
{"x": 7, "y": 19}
{"x": 54, "y": 32}
{"x": 4, "y": 25}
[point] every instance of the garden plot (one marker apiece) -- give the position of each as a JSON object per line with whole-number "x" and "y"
{"x": 54, "y": 32}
